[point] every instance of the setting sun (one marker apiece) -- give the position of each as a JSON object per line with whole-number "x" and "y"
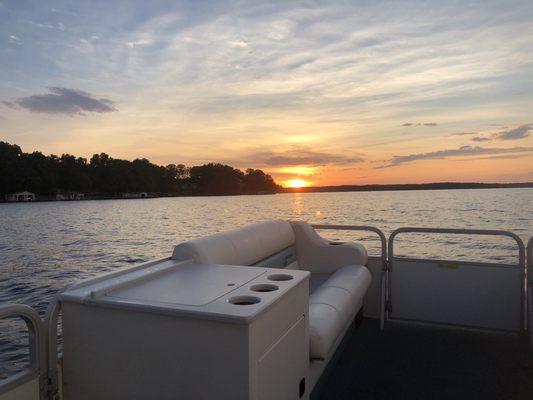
{"x": 297, "y": 183}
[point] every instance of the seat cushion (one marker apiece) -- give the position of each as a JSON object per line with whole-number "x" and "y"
{"x": 325, "y": 323}
{"x": 353, "y": 278}
{"x": 333, "y": 305}
{"x": 243, "y": 246}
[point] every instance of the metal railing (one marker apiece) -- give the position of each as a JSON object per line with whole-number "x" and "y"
{"x": 37, "y": 367}
{"x": 381, "y": 235}
{"x": 529, "y": 282}
{"x": 384, "y": 262}
{"x": 488, "y": 232}
{"x": 529, "y": 258}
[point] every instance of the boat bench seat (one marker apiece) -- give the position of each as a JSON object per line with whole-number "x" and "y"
{"x": 338, "y": 283}
{"x": 332, "y": 305}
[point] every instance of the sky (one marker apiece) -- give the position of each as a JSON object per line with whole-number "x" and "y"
{"x": 329, "y": 93}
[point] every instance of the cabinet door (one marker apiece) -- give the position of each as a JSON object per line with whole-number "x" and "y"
{"x": 282, "y": 370}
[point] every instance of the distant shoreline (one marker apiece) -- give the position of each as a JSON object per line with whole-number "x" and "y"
{"x": 315, "y": 189}
{"x": 409, "y": 186}
{"x": 90, "y": 197}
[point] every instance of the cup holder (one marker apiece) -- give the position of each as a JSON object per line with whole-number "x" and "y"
{"x": 280, "y": 277}
{"x": 244, "y": 300}
{"x": 264, "y": 287}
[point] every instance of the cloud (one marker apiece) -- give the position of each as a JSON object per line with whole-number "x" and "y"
{"x": 14, "y": 39}
{"x": 481, "y": 139}
{"x": 517, "y": 133}
{"x": 254, "y": 101}
{"x": 64, "y": 101}
{"x": 138, "y": 43}
{"x": 420, "y": 124}
{"x": 282, "y": 176}
{"x": 520, "y": 132}
{"x": 498, "y": 157}
{"x": 463, "y": 133}
{"x": 9, "y": 104}
{"x": 41, "y": 25}
{"x": 463, "y": 151}
{"x": 301, "y": 156}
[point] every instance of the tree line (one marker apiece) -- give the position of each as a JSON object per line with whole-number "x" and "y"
{"x": 103, "y": 175}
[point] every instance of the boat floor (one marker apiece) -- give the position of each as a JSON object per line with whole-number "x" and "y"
{"x": 414, "y": 361}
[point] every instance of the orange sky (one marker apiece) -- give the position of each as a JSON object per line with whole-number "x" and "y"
{"x": 329, "y": 94}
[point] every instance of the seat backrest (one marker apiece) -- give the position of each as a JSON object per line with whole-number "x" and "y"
{"x": 244, "y": 246}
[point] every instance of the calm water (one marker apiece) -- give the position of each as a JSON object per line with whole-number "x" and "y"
{"x": 45, "y": 246}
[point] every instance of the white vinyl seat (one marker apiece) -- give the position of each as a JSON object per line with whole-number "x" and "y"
{"x": 332, "y": 305}
{"x": 244, "y": 246}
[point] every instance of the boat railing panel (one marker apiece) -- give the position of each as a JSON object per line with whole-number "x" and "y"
{"x": 476, "y": 294}
{"x": 375, "y": 264}
{"x": 31, "y": 382}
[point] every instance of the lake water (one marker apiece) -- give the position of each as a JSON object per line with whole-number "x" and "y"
{"x": 45, "y": 246}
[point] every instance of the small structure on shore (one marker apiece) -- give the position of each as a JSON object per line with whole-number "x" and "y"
{"x": 21, "y": 196}
{"x": 70, "y": 196}
{"x": 140, "y": 195}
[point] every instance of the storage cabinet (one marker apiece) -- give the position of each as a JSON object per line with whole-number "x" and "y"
{"x": 185, "y": 331}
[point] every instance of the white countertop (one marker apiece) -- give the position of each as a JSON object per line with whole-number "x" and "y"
{"x": 196, "y": 290}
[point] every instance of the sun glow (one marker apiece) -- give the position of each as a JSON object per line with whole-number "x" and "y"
{"x": 296, "y": 183}
{"x": 298, "y": 170}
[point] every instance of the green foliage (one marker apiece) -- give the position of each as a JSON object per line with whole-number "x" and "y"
{"x": 106, "y": 176}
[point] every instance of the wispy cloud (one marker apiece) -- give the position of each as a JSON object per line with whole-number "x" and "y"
{"x": 14, "y": 39}
{"x": 481, "y": 139}
{"x": 463, "y": 133}
{"x": 420, "y": 124}
{"x": 299, "y": 156}
{"x": 463, "y": 151}
{"x": 499, "y": 157}
{"x": 49, "y": 25}
{"x": 520, "y": 132}
{"x": 517, "y": 133}
{"x": 9, "y": 104}
{"x": 64, "y": 101}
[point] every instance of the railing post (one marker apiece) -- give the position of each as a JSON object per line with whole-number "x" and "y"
{"x": 529, "y": 287}
{"x": 529, "y": 259}
{"x": 36, "y": 339}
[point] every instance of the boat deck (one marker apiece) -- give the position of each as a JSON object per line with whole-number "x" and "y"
{"x": 408, "y": 361}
